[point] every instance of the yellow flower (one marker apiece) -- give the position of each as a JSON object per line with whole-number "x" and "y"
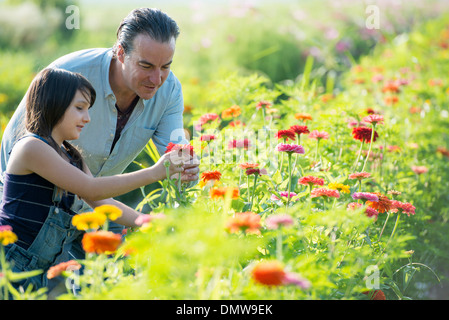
{"x": 3, "y": 97}
{"x": 110, "y": 211}
{"x": 339, "y": 186}
{"x": 89, "y": 220}
{"x": 7, "y": 236}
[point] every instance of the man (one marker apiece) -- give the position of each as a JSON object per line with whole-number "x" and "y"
{"x": 138, "y": 97}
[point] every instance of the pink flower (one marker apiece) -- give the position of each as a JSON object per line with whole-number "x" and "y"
{"x": 207, "y": 137}
{"x": 404, "y": 206}
{"x": 283, "y": 194}
{"x": 359, "y": 175}
{"x": 263, "y": 104}
{"x": 147, "y": 218}
{"x": 311, "y": 180}
{"x": 291, "y": 148}
{"x": 370, "y": 212}
{"x": 295, "y": 279}
{"x": 279, "y": 220}
{"x": 374, "y": 119}
{"x": 245, "y": 143}
{"x": 419, "y": 169}
{"x": 256, "y": 171}
{"x": 325, "y": 192}
{"x": 365, "y": 196}
{"x": 318, "y": 135}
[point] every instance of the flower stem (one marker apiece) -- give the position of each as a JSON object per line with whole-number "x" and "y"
{"x": 279, "y": 255}
{"x": 289, "y": 177}
{"x": 358, "y": 157}
{"x": 370, "y": 145}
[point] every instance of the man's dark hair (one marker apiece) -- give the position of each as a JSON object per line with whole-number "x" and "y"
{"x": 153, "y": 22}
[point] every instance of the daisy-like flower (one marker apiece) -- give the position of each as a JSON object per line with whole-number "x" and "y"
{"x": 363, "y": 134}
{"x": 303, "y": 116}
{"x": 365, "y": 196}
{"x": 239, "y": 144}
{"x": 208, "y": 117}
{"x": 180, "y": 147}
{"x": 208, "y": 137}
{"x": 370, "y": 212}
{"x": 419, "y": 169}
{"x": 324, "y": 192}
{"x": 299, "y": 129}
{"x": 232, "y": 112}
{"x": 405, "y": 207}
{"x": 7, "y": 236}
{"x": 248, "y": 165}
{"x": 278, "y": 220}
{"x": 374, "y": 119}
{"x": 263, "y": 105}
{"x": 210, "y": 175}
{"x": 383, "y": 204}
{"x": 283, "y": 194}
{"x": 290, "y": 148}
{"x": 101, "y": 242}
{"x": 339, "y": 186}
{"x": 359, "y": 175}
{"x": 311, "y": 181}
{"x": 57, "y": 270}
{"x": 248, "y": 222}
{"x": 89, "y": 220}
{"x": 285, "y": 134}
{"x": 110, "y": 211}
{"x": 318, "y": 135}
{"x": 256, "y": 171}
{"x": 222, "y": 192}
{"x": 272, "y": 273}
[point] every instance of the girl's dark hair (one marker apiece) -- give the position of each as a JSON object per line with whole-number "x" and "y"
{"x": 47, "y": 99}
{"x": 153, "y": 22}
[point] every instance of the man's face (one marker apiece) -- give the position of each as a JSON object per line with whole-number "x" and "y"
{"x": 147, "y": 66}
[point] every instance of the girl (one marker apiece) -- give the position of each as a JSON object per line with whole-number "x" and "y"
{"x": 45, "y": 173}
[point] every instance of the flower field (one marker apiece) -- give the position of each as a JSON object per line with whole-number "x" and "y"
{"x": 307, "y": 191}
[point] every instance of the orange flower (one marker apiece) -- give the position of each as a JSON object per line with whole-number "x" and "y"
{"x": 375, "y": 295}
{"x": 101, "y": 242}
{"x": 216, "y": 193}
{"x": 248, "y": 165}
{"x": 231, "y": 112}
{"x": 248, "y": 222}
{"x": 236, "y": 124}
{"x": 382, "y": 205}
{"x": 390, "y": 100}
{"x": 303, "y": 116}
{"x": 56, "y": 270}
{"x": 210, "y": 175}
{"x": 270, "y": 273}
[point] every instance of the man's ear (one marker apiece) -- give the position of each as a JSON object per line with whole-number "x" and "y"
{"x": 120, "y": 53}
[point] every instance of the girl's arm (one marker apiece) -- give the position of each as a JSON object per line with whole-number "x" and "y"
{"x": 33, "y": 155}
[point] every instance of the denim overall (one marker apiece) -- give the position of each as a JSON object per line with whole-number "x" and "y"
{"x": 54, "y": 238}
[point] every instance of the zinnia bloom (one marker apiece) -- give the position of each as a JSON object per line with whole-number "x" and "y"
{"x": 374, "y": 119}
{"x": 236, "y": 123}
{"x": 318, "y": 135}
{"x": 311, "y": 180}
{"x": 7, "y": 236}
{"x": 248, "y": 165}
{"x": 324, "y": 192}
{"x": 248, "y": 222}
{"x": 231, "y": 112}
{"x": 299, "y": 129}
{"x": 390, "y": 100}
{"x": 245, "y": 144}
{"x": 263, "y": 104}
{"x": 364, "y": 134}
{"x": 89, "y": 220}
{"x": 375, "y": 295}
{"x": 419, "y": 169}
{"x": 370, "y": 212}
{"x": 405, "y": 207}
{"x": 110, "y": 211}
{"x": 255, "y": 171}
{"x": 365, "y": 196}
{"x": 383, "y": 204}
{"x": 207, "y": 137}
{"x": 339, "y": 186}
{"x": 145, "y": 219}
{"x": 285, "y": 134}
{"x": 101, "y": 242}
{"x": 210, "y": 175}
{"x": 283, "y": 194}
{"x": 271, "y": 273}
{"x": 57, "y": 270}
{"x": 290, "y": 148}
{"x": 278, "y": 220}
{"x": 208, "y": 117}
{"x": 359, "y": 175}
{"x": 180, "y": 147}
{"x": 217, "y": 193}
{"x": 303, "y": 116}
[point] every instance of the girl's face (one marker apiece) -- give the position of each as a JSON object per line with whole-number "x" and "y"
{"x": 73, "y": 120}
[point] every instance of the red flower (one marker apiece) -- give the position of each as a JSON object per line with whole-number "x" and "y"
{"x": 210, "y": 175}
{"x": 263, "y": 104}
{"x": 245, "y": 143}
{"x": 207, "y": 137}
{"x": 299, "y": 129}
{"x": 311, "y": 180}
{"x": 364, "y": 134}
{"x": 255, "y": 171}
{"x": 285, "y": 134}
{"x": 180, "y": 147}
